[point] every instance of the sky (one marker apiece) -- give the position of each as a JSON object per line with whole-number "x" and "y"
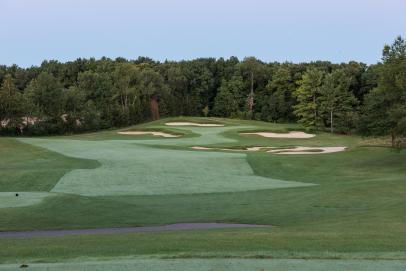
{"x": 285, "y": 30}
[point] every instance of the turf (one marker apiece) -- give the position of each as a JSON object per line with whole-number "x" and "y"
{"x": 128, "y": 168}
{"x": 355, "y": 210}
{"x": 237, "y": 243}
{"x": 218, "y": 265}
{"x": 22, "y": 199}
{"x": 24, "y": 167}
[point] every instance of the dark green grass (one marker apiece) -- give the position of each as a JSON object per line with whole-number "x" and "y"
{"x": 24, "y": 167}
{"x": 253, "y": 243}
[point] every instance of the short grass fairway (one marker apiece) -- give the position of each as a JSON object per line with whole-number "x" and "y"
{"x": 339, "y": 211}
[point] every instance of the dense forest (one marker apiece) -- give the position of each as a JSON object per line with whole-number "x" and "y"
{"x": 90, "y": 94}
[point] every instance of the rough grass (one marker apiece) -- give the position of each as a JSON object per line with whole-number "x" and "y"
{"x": 11, "y": 200}
{"x": 241, "y": 243}
{"x": 218, "y": 265}
{"x": 24, "y": 167}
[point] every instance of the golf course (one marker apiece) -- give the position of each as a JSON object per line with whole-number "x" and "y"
{"x": 298, "y": 200}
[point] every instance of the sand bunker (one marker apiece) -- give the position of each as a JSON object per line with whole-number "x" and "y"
{"x": 193, "y": 124}
{"x": 308, "y": 150}
{"x": 258, "y": 148}
{"x": 279, "y": 150}
{"x": 202, "y": 148}
{"x": 282, "y": 135}
{"x": 162, "y": 134}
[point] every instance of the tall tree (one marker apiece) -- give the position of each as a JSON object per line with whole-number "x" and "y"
{"x": 10, "y": 103}
{"x": 336, "y": 99}
{"x": 228, "y": 99}
{"x": 125, "y": 79}
{"x": 281, "y": 100}
{"x": 177, "y": 83}
{"x": 252, "y": 69}
{"x": 151, "y": 85}
{"x": 389, "y": 96}
{"x": 98, "y": 88}
{"x": 308, "y": 107}
{"x": 47, "y": 95}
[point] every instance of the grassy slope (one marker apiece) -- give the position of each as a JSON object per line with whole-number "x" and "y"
{"x": 358, "y": 209}
{"x": 24, "y": 167}
{"x": 32, "y": 172}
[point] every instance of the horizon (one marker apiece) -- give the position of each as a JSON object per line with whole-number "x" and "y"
{"x": 292, "y": 31}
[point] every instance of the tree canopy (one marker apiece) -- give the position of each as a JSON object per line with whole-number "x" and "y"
{"x": 91, "y": 94}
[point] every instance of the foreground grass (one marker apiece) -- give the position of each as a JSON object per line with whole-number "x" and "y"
{"x": 219, "y": 265}
{"x": 242, "y": 243}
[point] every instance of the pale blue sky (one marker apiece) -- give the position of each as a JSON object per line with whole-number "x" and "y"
{"x": 285, "y": 30}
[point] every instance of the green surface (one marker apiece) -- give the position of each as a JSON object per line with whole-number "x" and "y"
{"x": 275, "y": 243}
{"x": 137, "y": 168}
{"x": 217, "y": 265}
{"x": 21, "y": 199}
{"x": 24, "y": 167}
{"x": 355, "y": 209}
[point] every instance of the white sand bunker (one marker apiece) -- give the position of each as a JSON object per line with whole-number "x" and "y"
{"x": 278, "y": 150}
{"x": 258, "y": 148}
{"x": 308, "y": 150}
{"x": 193, "y": 124}
{"x": 202, "y": 148}
{"x": 162, "y": 134}
{"x": 292, "y": 134}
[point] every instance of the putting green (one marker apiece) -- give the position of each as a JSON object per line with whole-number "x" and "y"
{"x": 131, "y": 168}
{"x": 218, "y": 265}
{"x": 9, "y": 199}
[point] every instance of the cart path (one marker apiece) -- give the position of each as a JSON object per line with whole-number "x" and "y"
{"x": 170, "y": 227}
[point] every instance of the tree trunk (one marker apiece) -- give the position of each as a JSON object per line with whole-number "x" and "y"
{"x": 187, "y": 105}
{"x": 126, "y": 99}
{"x": 393, "y": 137}
{"x": 122, "y": 102}
{"x": 315, "y": 112}
{"x": 252, "y": 91}
{"x": 331, "y": 122}
{"x": 154, "y": 108}
{"x": 251, "y": 95}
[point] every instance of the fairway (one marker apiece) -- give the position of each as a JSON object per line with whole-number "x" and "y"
{"x": 131, "y": 167}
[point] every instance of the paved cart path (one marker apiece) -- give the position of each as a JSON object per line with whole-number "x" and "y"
{"x": 170, "y": 227}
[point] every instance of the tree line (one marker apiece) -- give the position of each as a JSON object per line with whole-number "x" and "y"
{"x": 90, "y": 94}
